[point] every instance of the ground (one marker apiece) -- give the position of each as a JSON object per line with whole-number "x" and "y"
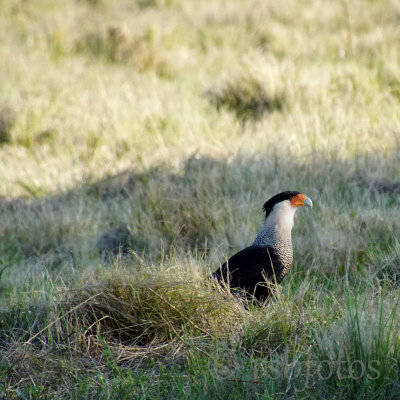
{"x": 138, "y": 142}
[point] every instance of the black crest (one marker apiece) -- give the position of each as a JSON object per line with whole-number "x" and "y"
{"x": 269, "y": 205}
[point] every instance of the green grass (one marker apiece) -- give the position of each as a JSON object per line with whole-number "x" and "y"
{"x": 161, "y": 127}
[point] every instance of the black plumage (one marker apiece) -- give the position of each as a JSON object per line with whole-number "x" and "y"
{"x": 255, "y": 269}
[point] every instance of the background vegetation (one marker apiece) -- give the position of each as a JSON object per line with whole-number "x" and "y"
{"x": 139, "y": 140}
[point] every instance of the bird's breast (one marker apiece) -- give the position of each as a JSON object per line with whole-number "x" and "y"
{"x": 284, "y": 252}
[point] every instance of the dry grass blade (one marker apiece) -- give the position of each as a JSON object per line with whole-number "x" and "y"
{"x": 59, "y": 318}
{"x": 147, "y": 308}
{"x": 181, "y": 314}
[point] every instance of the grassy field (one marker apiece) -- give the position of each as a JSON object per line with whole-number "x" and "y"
{"x": 138, "y": 142}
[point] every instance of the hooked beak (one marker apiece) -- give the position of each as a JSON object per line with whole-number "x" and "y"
{"x": 308, "y": 202}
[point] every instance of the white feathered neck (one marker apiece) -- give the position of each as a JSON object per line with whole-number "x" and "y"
{"x": 277, "y": 227}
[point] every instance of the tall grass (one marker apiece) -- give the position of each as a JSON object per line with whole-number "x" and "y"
{"x": 138, "y": 142}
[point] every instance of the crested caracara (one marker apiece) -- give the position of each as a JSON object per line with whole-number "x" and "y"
{"x": 257, "y": 268}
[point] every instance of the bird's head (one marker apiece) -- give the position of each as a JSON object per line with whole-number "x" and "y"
{"x": 279, "y": 216}
{"x": 286, "y": 201}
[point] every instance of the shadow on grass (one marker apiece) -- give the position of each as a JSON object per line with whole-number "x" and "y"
{"x": 132, "y": 314}
{"x": 204, "y": 205}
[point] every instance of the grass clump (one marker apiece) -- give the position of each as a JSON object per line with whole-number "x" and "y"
{"x": 106, "y": 45}
{"x": 145, "y": 308}
{"x": 247, "y": 98}
{"x": 7, "y": 121}
{"x": 145, "y": 50}
{"x": 130, "y": 313}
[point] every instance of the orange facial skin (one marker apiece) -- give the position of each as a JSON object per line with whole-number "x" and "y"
{"x": 298, "y": 200}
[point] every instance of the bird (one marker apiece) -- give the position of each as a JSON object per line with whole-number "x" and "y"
{"x": 256, "y": 270}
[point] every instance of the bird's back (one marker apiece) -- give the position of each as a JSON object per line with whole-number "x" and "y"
{"x": 254, "y": 269}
